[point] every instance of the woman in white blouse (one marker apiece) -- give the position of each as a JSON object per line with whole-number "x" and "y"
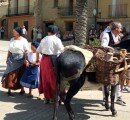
{"x": 50, "y": 47}
{"x": 18, "y": 47}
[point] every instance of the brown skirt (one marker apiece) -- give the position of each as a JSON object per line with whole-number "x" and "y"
{"x": 12, "y": 79}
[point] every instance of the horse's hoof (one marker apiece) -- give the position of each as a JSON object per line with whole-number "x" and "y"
{"x": 72, "y": 117}
{"x": 107, "y": 107}
{"x": 60, "y": 102}
{"x": 114, "y": 114}
{"x": 55, "y": 118}
{"x": 70, "y": 111}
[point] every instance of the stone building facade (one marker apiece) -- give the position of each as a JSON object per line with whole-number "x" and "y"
{"x": 17, "y": 13}
{"x": 58, "y": 12}
{"x": 62, "y": 13}
{"x": 116, "y": 10}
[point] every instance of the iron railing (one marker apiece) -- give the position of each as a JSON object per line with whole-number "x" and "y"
{"x": 3, "y": 0}
{"x": 119, "y": 10}
{"x": 23, "y": 10}
{"x": 67, "y": 11}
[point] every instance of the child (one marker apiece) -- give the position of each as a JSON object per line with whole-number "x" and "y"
{"x": 31, "y": 74}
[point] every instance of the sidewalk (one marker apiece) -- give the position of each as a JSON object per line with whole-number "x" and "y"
{"x": 86, "y": 104}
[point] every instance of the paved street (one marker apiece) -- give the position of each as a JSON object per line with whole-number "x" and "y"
{"x": 86, "y": 104}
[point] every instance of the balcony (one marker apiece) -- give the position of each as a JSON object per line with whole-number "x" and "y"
{"x": 66, "y": 12}
{"x": 24, "y": 10}
{"x": 116, "y": 11}
{"x": 3, "y": 2}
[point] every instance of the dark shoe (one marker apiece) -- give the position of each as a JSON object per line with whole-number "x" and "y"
{"x": 103, "y": 102}
{"x": 120, "y": 102}
{"x": 30, "y": 96}
{"x": 47, "y": 101}
{"x": 22, "y": 92}
{"x": 127, "y": 88}
{"x": 52, "y": 101}
{"x": 62, "y": 96}
{"x": 9, "y": 93}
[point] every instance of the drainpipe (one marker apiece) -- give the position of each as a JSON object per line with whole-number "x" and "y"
{"x": 28, "y": 6}
{"x": 17, "y": 7}
{"x": 113, "y": 7}
{"x": 97, "y": 6}
{"x": 97, "y": 16}
{"x": 9, "y": 7}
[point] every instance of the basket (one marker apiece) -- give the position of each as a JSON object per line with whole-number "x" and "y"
{"x": 94, "y": 49}
{"x": 127, "y": 73}
{"x": 105, "y": 70}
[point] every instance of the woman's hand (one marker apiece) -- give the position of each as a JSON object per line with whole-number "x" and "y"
{"x": 37, "y": 63}
{"x": 8, "y": 56}
{"x": 26, "y": 63}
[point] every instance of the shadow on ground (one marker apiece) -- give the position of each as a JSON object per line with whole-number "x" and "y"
{"x": 33, "y": 109}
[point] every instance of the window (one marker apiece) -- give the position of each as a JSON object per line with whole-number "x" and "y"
{"x": 118, "y": 10}
{"x": 26, "y": 25}
{"x": 3, "y": 22}
{"x": 69, "y": 26}
{"x": 3, "y": 0}
{"x": 55, "y": 3}
{"x": 15, "y": 24}
{"x": 47, "y": 24}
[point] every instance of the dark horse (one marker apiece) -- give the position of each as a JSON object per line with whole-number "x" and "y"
{"x": 71, "y": 64}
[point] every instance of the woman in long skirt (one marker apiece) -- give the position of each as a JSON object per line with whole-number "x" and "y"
{"x": 50, "y": 47}
{"x": 15, "y": 62}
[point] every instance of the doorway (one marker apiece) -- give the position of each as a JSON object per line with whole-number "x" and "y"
{"x": 46, "y": 24}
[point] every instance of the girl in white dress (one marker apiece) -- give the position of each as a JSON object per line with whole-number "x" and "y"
{"x": 31, "y": 75}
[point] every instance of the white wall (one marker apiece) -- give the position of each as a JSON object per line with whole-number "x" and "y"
{"x": 3, "y": 10}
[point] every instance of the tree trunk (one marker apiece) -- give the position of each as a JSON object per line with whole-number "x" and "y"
{"x": 38, "y": 14}
{"x": 81, "y": 22}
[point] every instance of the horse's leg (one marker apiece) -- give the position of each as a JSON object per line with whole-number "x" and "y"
{"x": 62, "y": 93}
{"x": 75, "y": 86}
{"x": 56, "y": 104}
{"x": 113, "y": 90}
{"x": 106, "y": 91}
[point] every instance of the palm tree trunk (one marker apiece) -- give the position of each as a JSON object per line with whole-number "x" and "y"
{"x": 81, "y": 22}
{"x": 38, "y": 14}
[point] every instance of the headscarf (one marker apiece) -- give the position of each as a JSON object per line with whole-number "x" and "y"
{"x": 19, "y": 30}
{"x": 35, "y": 44}
{"x": 52, "y": 29}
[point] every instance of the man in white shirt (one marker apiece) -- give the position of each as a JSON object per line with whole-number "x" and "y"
{"x": 110, "y": 39}
{"x": 107, "y": 29}
{"x": 24, "y": 31}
